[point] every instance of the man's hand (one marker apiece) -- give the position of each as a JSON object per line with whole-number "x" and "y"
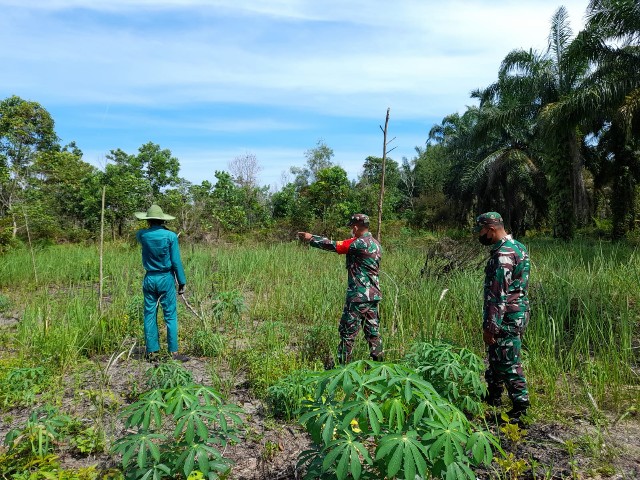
{"x": 305, "y": 236}
{"x": 488, "y": 337}
{"x": 181, "y": 289}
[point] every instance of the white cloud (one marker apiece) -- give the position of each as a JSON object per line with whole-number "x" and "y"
{"x": 128, "y": 58}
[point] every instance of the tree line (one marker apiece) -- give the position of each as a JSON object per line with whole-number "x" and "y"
{"x": 553, "y": 144}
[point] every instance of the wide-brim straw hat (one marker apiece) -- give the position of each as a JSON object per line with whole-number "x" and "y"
{"x": 154, "y": 213}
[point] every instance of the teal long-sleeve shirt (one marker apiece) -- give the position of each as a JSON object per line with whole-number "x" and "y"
{"x": 161, "y": 252}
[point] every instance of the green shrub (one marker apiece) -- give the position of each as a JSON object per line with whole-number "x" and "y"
{"x": 20, "y": 386}
{"x": 168, "y": 374}
{"x": 206, "y": 344}
{"x": 456, "y": 373}
{"x": 178, "y": 429}
{"x": 285, "y": 397}
{"x": 375, "y": 420}
{"x": 319, "y": 342}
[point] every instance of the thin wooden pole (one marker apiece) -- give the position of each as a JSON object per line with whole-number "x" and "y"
{"x": 384, "y": 161}
{"x": 33, "y": 257}
{"x": 101, "y": 248}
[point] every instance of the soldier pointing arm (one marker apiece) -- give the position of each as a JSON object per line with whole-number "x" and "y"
{"x": 363, "y": 254}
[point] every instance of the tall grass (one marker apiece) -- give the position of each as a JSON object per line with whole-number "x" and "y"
{"x": 582, "y": 338}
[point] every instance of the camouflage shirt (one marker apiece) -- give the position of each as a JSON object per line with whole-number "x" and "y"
{"x": 363, "y": 265}
{"x": 506, "y": 302}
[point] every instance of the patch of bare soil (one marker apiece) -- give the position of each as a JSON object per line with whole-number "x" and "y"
{"x": 8, "y": 320}
{"x": 576, "y": 449}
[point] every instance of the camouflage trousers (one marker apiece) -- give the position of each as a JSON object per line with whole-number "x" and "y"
{"x": 355, "y": 315}
{"x": 505, "y": 368}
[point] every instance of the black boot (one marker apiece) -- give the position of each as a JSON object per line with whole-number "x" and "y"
{"x": 493, "y": 398}
{"x": 519, "y": 409}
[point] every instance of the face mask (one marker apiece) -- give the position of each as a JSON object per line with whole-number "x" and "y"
{"x": 485, "y": 240}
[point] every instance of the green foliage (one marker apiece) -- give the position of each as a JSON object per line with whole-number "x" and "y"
{"x": 286, "y": 396}
{"x": 319, "y": 342}
{"x": 30, "y": 450}
{"x": 414, "y": 430}
{"x": 5, "y": 303}
{"x": 20, "y": 386}
{"x": 88, "y": 440}
{"x": 456, "y": 373}
{"x": 168, "y": 374}
{"x": 178, "y": 429}
{"x": 229, "y": 304}
{"x": 44, "y": 428}
{"x": 206, "y": 343}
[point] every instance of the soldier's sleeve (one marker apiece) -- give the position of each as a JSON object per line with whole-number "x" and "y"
{"x": 323, "y": 243}
{"x": 176, "y": 261}
{"x": 495, "y": 304}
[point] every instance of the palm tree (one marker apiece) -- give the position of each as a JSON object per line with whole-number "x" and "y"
{"x": 528, "y": 81}
{"x": 608, "y": 102}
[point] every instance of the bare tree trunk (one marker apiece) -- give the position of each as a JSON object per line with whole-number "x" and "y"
{"x": 580, "y": 199}
{"x": 33, "y": 257}
{"x": 101, "y": 250}
{"x": 384, "y": 161}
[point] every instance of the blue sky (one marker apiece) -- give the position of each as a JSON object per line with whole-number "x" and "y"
{"x": 212, "y": 80}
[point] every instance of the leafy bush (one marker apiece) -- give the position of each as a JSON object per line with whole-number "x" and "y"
{"x": 206, "y": 344}
{"x": 456, "y": 373}
{"x": 20, "y": 386}
{"x": 319, "y": 342}
{"x": 375, "y": 420}
{"x": 43, "y": 429}
{"x": 266, "y": 368}
{"x": 168, "y": 374}
{"x": 285, "y": 397}
{"x": 178, "y": 428}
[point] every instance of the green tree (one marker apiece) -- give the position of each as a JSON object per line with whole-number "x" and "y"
{"x": 226, "y": 204}
{"x": 317, "y": 158}
{"x": 58, "y": 186}
{"x": 328, "y": 196}
{"x": 126, "y": 192}
{"x": 26, "y": 129}
{"x": 368, "y": 188}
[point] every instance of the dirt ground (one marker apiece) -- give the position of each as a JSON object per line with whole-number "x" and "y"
{"x": 577, "y": 448}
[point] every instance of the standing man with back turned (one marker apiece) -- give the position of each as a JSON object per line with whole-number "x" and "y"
{"x": 363, "y": 288}
{"x": 505, "y": 313}
{"x": 161, "y": 260}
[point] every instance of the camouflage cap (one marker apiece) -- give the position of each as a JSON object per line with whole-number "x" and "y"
{"x": 488, "y": 218}
{"x": 358, "y": 219}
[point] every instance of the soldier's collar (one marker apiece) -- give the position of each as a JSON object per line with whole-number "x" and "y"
{"x": 500, "y": 242}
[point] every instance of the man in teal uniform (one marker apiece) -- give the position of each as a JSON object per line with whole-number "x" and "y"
{"x": 363, "y": 254}
{"x": 161, "y": 260}
{"x": 505, "y": 312}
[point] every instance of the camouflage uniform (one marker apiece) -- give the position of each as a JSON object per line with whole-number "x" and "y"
{"x": 363, "y": 292}
{"x": 506, "y": 315}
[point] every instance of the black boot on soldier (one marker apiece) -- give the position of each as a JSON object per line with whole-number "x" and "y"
{"x": 493, "y": 397}
{"x": 517, "y": 412}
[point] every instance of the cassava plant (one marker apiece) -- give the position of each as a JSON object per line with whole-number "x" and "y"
{"x": 178, "y": 429}
{"x": 373, "y": 420}
{"x": 456, "y": 373}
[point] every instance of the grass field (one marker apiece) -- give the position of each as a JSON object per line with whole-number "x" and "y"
{"x": 265, "y": 311}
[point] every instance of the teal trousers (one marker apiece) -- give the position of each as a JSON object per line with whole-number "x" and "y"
{"x": 160, "y": 288}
